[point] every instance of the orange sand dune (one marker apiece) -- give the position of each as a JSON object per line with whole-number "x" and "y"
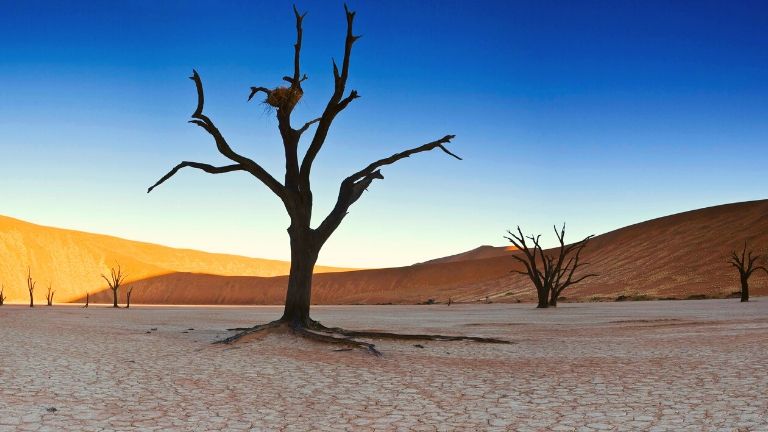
{"x": 673, "y": 256}
{"x": 73, "y": 261}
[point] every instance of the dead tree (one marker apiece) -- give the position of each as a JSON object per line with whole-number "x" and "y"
{"x": 114, "y": 281}
{"x": 564, "y": 270}
{"x": 49, "y": 295}
{"x": 2, "y": 295}
{"x": 87, "y": 299}
{"x": 128, "y": 293}
{"x": 31, "y": 287}
{"x": 295, "y": 192}
{"x": 551, "y": 273}
{"x": 746, "y": 265}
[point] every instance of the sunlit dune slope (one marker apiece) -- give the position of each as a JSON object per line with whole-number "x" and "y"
{"x": 481, "y": 252}
{"x": 73, "y": 261}
{"x": 673, "y": 256}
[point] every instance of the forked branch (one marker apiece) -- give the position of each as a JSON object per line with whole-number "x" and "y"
{"x": 335, "y": 104}
{"x": 210, "y": 169}
{"x": 242, "y": 162}
{"x": 402, "y": 155}
{"x": 746, "y": 262}
{"x": 550, "y": 273}
{"x": 352, "y": 187}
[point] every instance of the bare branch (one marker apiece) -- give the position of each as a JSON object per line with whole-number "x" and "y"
{"x": 255, "y": 90}
{"x": 296, "y": 81}
{"x": 247, "y": 164}
{"x": 402, "y": 155}
{"x": 201, "y": 166}
{"x": 549, "y": 280}
{"x": 584, "y": 277}
{"x": 306, "y": 126}
{"x": 353, "y": 186}
{"x": 335, "y": 103}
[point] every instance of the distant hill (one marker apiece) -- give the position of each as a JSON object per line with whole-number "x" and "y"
{"x": 73, "y": 261}
{"x": 673, "y": 256}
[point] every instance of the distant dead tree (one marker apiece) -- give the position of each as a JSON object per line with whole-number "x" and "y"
{"x": 746, "y": 265}
{"x": 31, "y": 287}
{"x": 295, "y": 192}
{"x": 114, "y": 281}
{"x": 128, "y": 293}
{"x": 49, "y": 295}
{"x": 551, "y": 273}
{"x": 87, "y": 299}
{"x": 2, "y": 295}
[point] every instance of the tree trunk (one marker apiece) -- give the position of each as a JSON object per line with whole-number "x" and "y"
{"x": 303, "y": 258}
{"x": 553, "y": 301}
{"x": 744, "y": 290}
{"x": 31, "y": 300}
{"x": 543, "y": 294}
{"x": 114, "y": 298}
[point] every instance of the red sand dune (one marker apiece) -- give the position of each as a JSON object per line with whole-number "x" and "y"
{"x": 674, "y": 256}
{"x": 72, "y": 261}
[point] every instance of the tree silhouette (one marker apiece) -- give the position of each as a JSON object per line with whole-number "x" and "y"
{"x": 2, "y": 295}
{"x": 551, "y": 274}
{"x": 128, "y": 293}
{"x": 87, "y": 299}
{"x": 114, "y": 281}
{"x": 295, "y": 192}
{"x": 745, "y": 264}
{"x": 30, "y": 287}
{"x": 49, "y": 295}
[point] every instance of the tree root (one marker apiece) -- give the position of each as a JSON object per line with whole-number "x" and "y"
{"x": 315, "y": 331}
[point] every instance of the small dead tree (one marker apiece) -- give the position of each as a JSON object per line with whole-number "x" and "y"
{"x": 295, "y": 191}
{"x": 31, "y": 287}
{"x": 128, "y": 293}
{"x": 2, "y": 295}
{"x": 49, "y": 295}
{"x": 746, "y": 265}
{"x": 114, "y": 281}
{"x": 87, "y": 299}
{"x": 551, "y": 273}
{"x": 564, "y": 273}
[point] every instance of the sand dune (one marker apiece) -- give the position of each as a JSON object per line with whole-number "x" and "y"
{"x": 72, "y": 261}
{"x": 674, "y": 256}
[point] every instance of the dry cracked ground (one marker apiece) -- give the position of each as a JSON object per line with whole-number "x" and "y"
{"x": 649, "y": 366}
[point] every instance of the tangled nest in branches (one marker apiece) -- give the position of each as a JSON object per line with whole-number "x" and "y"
{"x": 284, "y": 97}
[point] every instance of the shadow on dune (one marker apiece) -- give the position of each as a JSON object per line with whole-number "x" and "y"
{"x": 678, "y": 256}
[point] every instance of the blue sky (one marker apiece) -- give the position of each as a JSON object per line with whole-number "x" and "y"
{"x": 598, "y": 113}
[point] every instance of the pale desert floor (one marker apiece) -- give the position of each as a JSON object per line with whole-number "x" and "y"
{"x": 672, "y": 366}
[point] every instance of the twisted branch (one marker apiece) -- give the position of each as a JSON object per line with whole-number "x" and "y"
{"x": 242, "y": 162}
{"x": 352, "y": 187}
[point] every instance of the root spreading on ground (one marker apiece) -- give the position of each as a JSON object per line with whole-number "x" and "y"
{"x": 317, "y": 332}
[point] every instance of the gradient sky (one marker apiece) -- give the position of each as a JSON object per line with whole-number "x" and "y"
{"x": 598, "y": 113}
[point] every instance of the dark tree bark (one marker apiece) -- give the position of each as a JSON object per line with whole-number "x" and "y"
{"x": 31, "y": 287}
{"x": 87, "y": 299}
{"x": 746, "y": 264}
{"x": 128, "y": 293}
{"x": 49, "y": 295}
{"x": 114, "y": 282}
{"x": 2, "y": 295}
{"x": 295, "y": 192}
{"x": 533, "y": 258}
{"x": 567, "y": 262}
{"x": 550, "y": 273}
